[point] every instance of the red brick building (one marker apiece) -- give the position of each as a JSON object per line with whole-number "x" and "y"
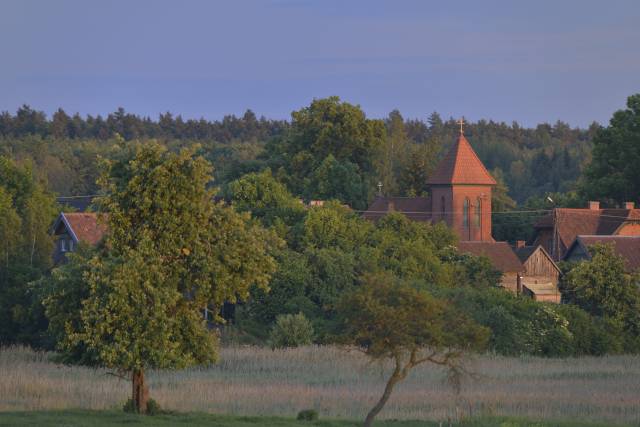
{"x": 460, "y": 196}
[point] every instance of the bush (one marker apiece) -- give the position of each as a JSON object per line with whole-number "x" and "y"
{"x": 153, "y": 408}
{"x": 130, "y": 407}
{"x": 308, "y": 415}
{"x": 291, "y": 330}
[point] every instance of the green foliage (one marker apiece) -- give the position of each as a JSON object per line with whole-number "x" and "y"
{"x": 338, "y": 180}
{"x": 169, "y": 252}
{"x": 307, "y": 415}
{"x": 62, "y": 294}
{"x": 385, "y": 316}
{"x": 615, "y": 166}
{"x": 602, "y": 288}
{"x": 153, "y": 408}
{"x": 291, "y": 330}
{"x": 471, "y": 270}
{"x": 266, "y": 198}
{"x": 389, "y": 319}
{"x": 130, "y": 407}
{"x": 26, "y": 210}
{"x": 330, "y": 152}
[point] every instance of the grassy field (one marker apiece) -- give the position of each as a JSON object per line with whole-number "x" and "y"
{"x": 251, "y": 381}
{"x": 110, "y": 418}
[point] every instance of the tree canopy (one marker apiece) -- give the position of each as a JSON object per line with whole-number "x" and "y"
{"x": 170, "y": 252}
{"x": 614, "y": 170}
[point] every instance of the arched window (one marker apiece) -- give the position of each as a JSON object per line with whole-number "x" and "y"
{"x": 442, "y": 207}
{"x": 465, "y": 213}
{"x": 478, "y": 215}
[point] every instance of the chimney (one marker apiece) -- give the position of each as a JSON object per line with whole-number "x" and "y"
{"x": 594, "y": 206}
{"x": 519, "y": 243}
{"x": 629, "y": 205}
{"x": 391, "y": 206}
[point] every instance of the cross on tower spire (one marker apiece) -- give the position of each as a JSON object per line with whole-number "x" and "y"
{"x": 461, "y": 123}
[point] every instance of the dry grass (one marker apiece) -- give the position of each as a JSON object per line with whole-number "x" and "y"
{"x": 258, "y": 381}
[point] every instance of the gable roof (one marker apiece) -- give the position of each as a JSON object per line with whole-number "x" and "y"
{"x": 628, "y": 247}
{"x": 415, "y": 208}
{"x": 524, "y": 253}
{"x": 461, "y": 165}
{"x": 500, "y": 253}
{"x": 571, "y": 223}
{"x": 83, "y": 226}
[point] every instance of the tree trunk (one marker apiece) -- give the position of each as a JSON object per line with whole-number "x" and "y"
{"x": 140, "y": 395}
{"x": 395, "y": 378}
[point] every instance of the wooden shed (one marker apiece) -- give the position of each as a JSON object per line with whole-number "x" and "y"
{"x": 541, "y": 274}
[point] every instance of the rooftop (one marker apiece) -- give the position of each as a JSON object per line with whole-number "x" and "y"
{"x": 461, "y": 165}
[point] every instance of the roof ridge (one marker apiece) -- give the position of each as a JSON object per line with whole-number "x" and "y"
{"x": 461, "y": 165}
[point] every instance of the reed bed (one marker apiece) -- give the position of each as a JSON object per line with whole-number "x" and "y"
{"x": 339, "y": 384}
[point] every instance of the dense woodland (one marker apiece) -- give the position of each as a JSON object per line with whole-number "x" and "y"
{"x": 401, "y": 152}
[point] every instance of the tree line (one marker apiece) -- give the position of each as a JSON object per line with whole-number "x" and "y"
{"x": 400, "y": 153}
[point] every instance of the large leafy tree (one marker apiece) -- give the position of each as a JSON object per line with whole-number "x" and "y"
{"x": 169, "y": 253}
{"x": 264, "y": 197}
{"x": 390, "y": 320}
{"x": 602, "y": 288}
{"x": 615, "y": 167}
{"x": 329, "y": 128}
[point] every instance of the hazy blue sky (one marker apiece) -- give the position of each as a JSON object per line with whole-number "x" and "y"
{"x": 529, "y": 61}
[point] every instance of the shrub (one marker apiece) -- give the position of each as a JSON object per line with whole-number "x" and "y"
{"x": 308, "y": 415}
{"x": 153, "y": 408}
{"x": 130, "y": 407}
{"x": 291, "y": 330}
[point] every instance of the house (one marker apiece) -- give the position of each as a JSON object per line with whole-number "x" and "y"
{"x": 70, "y": 229}
{"x": 628, "y": 247}
{"x": 557, "y": 231}
{"x": 460, "y": 196}
{"x": 541, "y": 274}
{"x": 502, "y": 258}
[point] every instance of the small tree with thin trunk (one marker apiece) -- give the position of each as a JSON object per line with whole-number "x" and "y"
{"x": 388, "y": 319}
{"x": 170, "y": 252}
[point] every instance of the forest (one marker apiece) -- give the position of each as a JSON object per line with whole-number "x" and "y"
{"x": 529, "y": 162}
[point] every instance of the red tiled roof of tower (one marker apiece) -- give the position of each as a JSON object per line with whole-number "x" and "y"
{"x": 500, "y": 254}
{"x": 86, "y": 227}
{"x": 461, "y": 165}
{"x": 571, "y": 223}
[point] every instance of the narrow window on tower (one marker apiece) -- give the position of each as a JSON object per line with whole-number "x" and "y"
{"x": 465, "y": 213}
{"x": 442, "y": 207}
{"x": 478, "y": 216}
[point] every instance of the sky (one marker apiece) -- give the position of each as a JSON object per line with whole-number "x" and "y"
{"x": 525, "y": 61}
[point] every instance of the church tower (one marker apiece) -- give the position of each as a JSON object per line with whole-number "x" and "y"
{"x": 461, "y": 192}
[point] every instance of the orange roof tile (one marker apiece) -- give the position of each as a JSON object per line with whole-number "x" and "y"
{"x": 85, "y": 227}
{"x": 461, "y": 165}
{"x": 500, "y": 254}
{"x": 573, "y": 222}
